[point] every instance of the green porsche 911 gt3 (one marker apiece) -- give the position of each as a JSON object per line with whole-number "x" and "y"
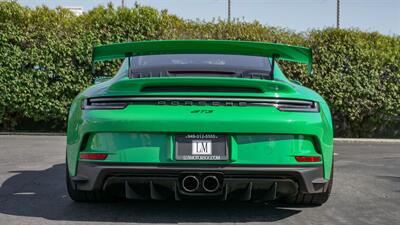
{"x": 200, "y": 120}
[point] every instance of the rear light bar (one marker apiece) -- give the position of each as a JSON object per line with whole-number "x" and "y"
{"x": 308, "y": 158}
{"x": 93, "y": 156}
{"x": 286, "y": 105}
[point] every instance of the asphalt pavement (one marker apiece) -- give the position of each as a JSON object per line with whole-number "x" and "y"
{"x": 366, "y": 191}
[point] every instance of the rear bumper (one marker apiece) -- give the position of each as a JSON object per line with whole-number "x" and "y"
{"x": 160, "y": 181}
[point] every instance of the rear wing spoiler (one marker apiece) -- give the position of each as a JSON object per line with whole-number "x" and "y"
{"x": 265, "y": 49}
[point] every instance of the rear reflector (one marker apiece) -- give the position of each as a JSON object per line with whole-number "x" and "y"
{"x": 93, "y": 156}
{"x": 308, "y": 158}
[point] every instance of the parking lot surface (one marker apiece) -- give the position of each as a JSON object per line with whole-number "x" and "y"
{"x": 32, "y": 191}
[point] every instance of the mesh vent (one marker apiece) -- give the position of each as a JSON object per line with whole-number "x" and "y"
{"x": 200, "y": 89}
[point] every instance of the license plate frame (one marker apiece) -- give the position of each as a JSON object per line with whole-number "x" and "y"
{"x": 209, "y": 147}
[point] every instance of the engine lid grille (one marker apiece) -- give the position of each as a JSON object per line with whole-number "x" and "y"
{"x": 200, "y": 89}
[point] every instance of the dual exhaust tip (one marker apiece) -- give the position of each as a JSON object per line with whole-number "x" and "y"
{"x": 192, "y": 183}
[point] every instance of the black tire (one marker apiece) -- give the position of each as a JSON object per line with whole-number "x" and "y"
{"x": 313, "y": 199}
{"x": 86, "y": 196}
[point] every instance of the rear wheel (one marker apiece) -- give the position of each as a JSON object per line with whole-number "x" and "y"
{"x": 313, "y": 199}
{"x": 86, "y": 196}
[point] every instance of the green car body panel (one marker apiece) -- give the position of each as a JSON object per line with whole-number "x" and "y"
{"x": 145, "y": 133}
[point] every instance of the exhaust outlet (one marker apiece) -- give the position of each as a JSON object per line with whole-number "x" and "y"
{"x": 190, "y": 183}
{"x": 211, "y": 183}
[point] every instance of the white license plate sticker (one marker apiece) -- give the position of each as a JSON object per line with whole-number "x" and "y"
{"x": 201, "y": 147}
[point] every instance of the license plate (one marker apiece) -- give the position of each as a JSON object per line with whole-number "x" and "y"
{"x": 201, "y": 147}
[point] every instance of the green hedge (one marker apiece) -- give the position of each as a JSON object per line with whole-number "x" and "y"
{"x": 45, "y": 62}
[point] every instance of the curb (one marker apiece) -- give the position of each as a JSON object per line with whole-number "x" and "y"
{"x": 337, "y": 140}
{"x": 367, "y": 140}
{"x": 31, "y": 134}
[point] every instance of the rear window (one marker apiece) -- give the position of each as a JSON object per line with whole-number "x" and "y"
{"x": 201, "y": 60}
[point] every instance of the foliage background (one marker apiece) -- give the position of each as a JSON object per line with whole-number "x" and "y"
{"x": 45, "y": 60}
